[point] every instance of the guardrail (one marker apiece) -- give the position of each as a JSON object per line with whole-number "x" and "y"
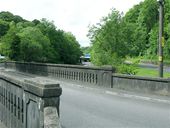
{"x": 100, "y": 76}
{"x": 29, "y": 102}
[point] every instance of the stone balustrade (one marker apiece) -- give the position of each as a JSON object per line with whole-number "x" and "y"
{"x": 84, "y": 75}
{"x": 28, "y": 102}
{"x": 97, "y": 76}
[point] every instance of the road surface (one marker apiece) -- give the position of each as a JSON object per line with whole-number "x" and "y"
{"x": 93, "y": 108}
{"x": 151, "y": 66}
{"x": 86, "y": 108}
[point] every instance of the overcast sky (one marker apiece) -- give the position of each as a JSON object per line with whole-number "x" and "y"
{"x": 70, "y": 15}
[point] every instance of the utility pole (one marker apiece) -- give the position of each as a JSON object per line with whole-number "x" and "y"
{"x": 161, "y": 38}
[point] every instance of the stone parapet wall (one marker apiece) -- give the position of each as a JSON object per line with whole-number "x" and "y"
{"x": 99, "y": 76}
{"x": 84, "y": 75}
{"x": 158, "y": 86}
{"x": 24, "y": 100}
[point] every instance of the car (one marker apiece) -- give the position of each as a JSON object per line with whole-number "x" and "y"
{"x": 2, "y": 57}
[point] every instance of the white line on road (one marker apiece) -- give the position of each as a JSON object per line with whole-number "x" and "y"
{"x": 124, "y": 94}
{"x": 137, "y": 97}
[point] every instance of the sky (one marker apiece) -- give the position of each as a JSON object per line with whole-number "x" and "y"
{"x": 70, "y": 15}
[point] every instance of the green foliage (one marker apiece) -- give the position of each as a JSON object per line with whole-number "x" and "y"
{"x": 140, "y": 20}
{"x": 140, "y": 41}
{"x": 127, "y": 69}
{"x": 34, "y": 46}
{"x": 10, "y": 41}
{"x": 132, "y": 15}
{"x": 133, "y": 34}
{"x": 86, "y": 50}
{"x": 73, "y": 49}
{"x": 148, "y": 15}
{"x": 150, "y": 72}
{"x": 4, "y": 26}
{"x": 108, "y": 46}
{"x": 7, "y": 16}
{"x": 153, "y": 42}
{"x": 65, "y": 47}
{"x": 38, "y": 41}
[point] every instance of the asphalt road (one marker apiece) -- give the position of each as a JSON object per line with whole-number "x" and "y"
{"x": 86, "y": 108}
{"x": 2, "y": 125}
{"x": 152, "y": 66}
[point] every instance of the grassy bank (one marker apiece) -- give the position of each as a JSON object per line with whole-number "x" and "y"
{"x": 150, "y": 72}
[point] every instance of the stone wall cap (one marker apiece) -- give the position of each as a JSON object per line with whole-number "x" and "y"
{"x": 105, "y": 67}
{"x": 41, "y": 87}
{"x": 40, "y": 81}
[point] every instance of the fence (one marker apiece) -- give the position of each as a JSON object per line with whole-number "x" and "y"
{"x": 28, "y": 102}
{"x": 100, "y": 76}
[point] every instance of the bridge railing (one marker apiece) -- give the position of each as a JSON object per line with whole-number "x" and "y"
{"x": 28, "y": 102}
{"x": 147, "y": 85}
{"x": 100, "y": 76}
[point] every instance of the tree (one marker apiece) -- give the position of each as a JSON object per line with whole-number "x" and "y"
{"x": 139, "y": 21}
{"x": 10, "y": 43}
{"x": 73, "y": 49}
{"x": 132, "y": 15}
{"x": 149, "y": 14}
{"x": 132, "y": 31}
{"x": 86, "y": 50}
{"x": 65, "y": 47}
{"x": 49, "y": 30}
{"x": 7, "y": 16}
{"x": 108, "y": 46}
{"x": 152, "y": 50}
{"x": 34, "y": 46}
{"x": 167, "y": 29}
{"x": 39, "y": 41}
{"x": 4, "y": 26}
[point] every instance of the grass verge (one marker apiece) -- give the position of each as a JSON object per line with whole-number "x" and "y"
{"x": 150, "y": 72}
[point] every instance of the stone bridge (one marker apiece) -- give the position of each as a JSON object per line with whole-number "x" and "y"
{"x": 27, "y": 101}
{"x": 30, "y": 92}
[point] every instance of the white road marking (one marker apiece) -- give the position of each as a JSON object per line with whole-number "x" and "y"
{"x": 137, "y": 97}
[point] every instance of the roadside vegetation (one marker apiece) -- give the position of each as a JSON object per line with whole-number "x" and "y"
{"x": 148, "y": 60}
{"x": 120, "y": 36}
{"x": 150, "y": 72}
{"x": 115, "y": 39}
{"x": 37, "y": 40}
